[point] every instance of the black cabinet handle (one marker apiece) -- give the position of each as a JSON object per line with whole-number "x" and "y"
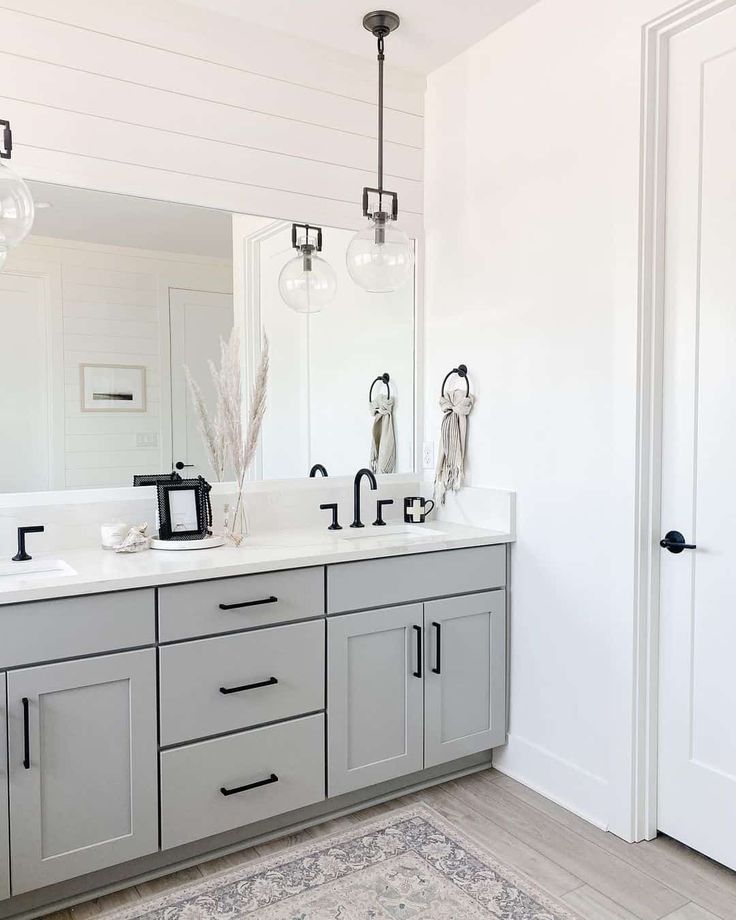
{"x": 26, "y": 735}
{"x": 265, "y": 600}
{"x": 260, "y": 683}
{"x": 418, "y": 672}
{"x": 261, "y": 782}
{"x": 438, "y": 652}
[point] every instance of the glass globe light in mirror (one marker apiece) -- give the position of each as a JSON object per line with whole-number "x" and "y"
{"x": 16, "y": 208}
{"x": 307, "y": 283}
{"x": 380, "y": 257}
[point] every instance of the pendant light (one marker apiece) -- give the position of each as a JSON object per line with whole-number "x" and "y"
{"x": 307, "y": 283}
{"x": 380, "y": 258}
{"x": 16, "y": 201}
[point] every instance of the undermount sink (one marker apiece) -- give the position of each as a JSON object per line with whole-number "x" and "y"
{"x": 412, "y": 531}
{"x": 33, "y": 569}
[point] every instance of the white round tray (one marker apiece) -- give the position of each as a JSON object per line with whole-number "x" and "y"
{"x": 179, "y": 545}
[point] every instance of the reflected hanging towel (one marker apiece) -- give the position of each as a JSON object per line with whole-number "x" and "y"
{"x": 456, "y": 407}
{"x": 383, "y": 439}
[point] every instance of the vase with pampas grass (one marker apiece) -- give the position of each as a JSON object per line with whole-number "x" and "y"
{"x": 225, "y": 438}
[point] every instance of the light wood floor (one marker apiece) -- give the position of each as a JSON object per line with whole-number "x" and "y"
{"x": 596, "y": 874}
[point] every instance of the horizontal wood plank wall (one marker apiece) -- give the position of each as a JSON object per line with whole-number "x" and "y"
{"x": 166, "y": 101}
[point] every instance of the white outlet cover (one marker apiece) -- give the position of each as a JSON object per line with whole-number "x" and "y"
{"x": 428, "y": 455}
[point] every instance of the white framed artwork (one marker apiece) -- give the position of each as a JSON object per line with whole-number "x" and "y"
{"x": 112, "y": 387}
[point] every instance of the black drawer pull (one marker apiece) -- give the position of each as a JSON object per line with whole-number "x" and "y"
{"x": 261, "y": 782}
{"x": 438, "y": 661}
{"x": 26, "y": 735}
{"x": 266, "y": 600}
{"x": 418, "y": 672}
{"x": 261, "y": 683}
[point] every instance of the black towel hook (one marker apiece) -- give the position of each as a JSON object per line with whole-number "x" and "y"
{"x": 382, "y": 378}
{"x": 462, "y": 371}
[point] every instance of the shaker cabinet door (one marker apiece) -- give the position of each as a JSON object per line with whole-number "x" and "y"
{"x": 4, "y": 826}
{"x": 374, "y": 697}
{"x": 83, "y": 770}
{"x": 464, "y": 695}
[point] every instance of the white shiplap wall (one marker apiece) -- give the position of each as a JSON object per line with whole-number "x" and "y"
{"x": 163, "y": 100}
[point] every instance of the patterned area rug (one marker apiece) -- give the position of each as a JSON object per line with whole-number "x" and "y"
{"x": 409, "y": 864}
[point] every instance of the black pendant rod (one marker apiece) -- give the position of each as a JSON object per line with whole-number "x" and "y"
{"x": 381, "y": 58}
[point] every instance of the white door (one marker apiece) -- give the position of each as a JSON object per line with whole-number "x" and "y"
{"x": 465, "y": 676}
{"x": 83, "y": 766}
{"x": 199, "y": 321}
{"x": 697, "y": 739}
{"x": 24, "y": 384}
{"x": 374, "y": 697}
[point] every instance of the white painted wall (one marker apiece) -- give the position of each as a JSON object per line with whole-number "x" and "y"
{"x": 532, "y": 198}
{"x": 160, "y": 99}
{"x": 109, "y": 305}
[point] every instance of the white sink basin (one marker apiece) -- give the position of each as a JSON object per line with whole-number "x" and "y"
{"x": 32, "y": 570}
{"x": 410, "y": 531}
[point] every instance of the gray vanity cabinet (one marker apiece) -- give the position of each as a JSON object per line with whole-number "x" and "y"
{"x": 465, "y": 676}
{"x": 4, "y": 826}
{"x": 374, "y": 697}
{"x": 82, "y": 764}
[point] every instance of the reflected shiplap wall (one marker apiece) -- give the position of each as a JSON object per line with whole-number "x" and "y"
{"x": 166, "y": 101}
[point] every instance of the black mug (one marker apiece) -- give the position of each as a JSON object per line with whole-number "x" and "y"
{"x": 416, "y": 510}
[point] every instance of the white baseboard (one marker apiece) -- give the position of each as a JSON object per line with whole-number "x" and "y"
{"x": 563, "y": 782}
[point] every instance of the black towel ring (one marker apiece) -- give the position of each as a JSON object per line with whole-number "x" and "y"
{"x": 382, "y": 378}
{"x": 462, "y": 371}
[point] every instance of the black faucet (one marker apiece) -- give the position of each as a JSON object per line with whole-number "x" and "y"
{"x": 356, "y": 494}
{"x": 22, "y": 555}
{"x": 317, "y": 468}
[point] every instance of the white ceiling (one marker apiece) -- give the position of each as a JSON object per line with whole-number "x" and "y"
{"x": 121, "y": 220}
{"x": 431, "y": 32}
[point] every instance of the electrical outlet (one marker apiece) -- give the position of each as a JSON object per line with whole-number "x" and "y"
{"x": 146, "y": 439}
{"x": 428, "y": 455}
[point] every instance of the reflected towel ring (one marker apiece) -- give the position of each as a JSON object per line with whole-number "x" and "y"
{"x": 462, "y": 371}
{"x": 382, "y": 378}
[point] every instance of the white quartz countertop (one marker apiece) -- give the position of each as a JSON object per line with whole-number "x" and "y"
{"x": 98, "y": 570}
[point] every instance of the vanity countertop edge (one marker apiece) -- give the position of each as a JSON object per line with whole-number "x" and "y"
{"x": 100, "y": 571}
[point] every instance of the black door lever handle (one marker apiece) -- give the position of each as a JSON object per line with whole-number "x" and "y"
{"x": 674, "y": 541}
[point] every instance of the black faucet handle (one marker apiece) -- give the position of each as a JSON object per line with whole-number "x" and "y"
{"x": 380, "y": 505}
{"x": 332, "y": 506}
{"x": 22, "y": 555}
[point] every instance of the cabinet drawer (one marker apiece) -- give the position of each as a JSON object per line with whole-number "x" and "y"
{"x": 74, "y": 626}
{"x": 193, "y": 805}
{"x": 399, "y": 579}
{"x": 192, "y": 673}
{"x": 190, "y": 610}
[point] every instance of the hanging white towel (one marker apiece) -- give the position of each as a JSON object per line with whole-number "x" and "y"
{"x": 456, "y": 408}
{"x": 383, "y": 437}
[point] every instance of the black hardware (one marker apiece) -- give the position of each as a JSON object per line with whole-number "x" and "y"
{"x": 26, "y": 735}
{"x": 380, "y": 504}
{"x": 265, "y": 600}
{"x": 7, "y": 150}
{"x": 462, "y": 371}
{"x": 418, "y": 672}
{"x": 332, "y": 506}
{"x": 306, "y": 228}
{"x": 382, "y": 378}
{"x": 674, "y": 541}
{"x": 438, "y": 647}
{"x": 183, "y": 466}
{"x": 22, "y": 555}
{"x": 356, "y": 494}
{"x": 261, "y": 782}
{"x": 261, "y": 683}
{"x": 317, "y": 468}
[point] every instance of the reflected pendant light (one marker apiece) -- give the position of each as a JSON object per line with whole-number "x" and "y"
{"x": 380, "y": 258}
{"x": 307, "y": 283}
{"x": 16, "y": 201}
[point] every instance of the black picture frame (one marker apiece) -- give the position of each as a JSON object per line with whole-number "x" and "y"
{"x": 153, "y": 479}
{"x": 167, "y": 529}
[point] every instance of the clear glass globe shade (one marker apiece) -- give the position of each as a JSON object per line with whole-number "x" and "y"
{"x": 16, "y": 208}
{"x": 380, "y": 267}
{"x": 307, "y": 291}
